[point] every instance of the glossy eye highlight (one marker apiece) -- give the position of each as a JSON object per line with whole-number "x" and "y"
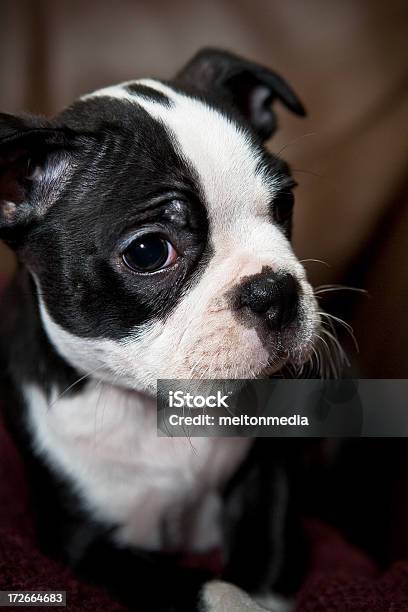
{"x": 149, "y": 253}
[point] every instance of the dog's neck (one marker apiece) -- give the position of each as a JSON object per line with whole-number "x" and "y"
{"x": 161, "y": 493}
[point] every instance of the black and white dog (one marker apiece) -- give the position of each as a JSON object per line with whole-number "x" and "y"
{"x": 152, "y": 229}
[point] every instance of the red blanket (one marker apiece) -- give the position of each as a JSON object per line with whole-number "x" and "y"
{"x": 340, "y": 577}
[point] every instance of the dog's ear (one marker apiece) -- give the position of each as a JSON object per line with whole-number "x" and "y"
{"x": 251, "y": 88}
{"x": 34, "y": 160}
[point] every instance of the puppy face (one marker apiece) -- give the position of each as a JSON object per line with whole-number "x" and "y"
{"x": 156, "y": 228}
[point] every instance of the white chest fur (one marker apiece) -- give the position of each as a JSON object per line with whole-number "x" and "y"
{"x": 161, "y": 492}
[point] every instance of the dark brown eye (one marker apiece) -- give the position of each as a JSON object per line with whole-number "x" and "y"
{"x": 149, "y": 253}
{"x": 283, "y": 206}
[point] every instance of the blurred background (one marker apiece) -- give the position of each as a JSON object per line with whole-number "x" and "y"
{"x": 348, "y": 61}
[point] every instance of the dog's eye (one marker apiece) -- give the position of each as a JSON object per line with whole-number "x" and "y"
{"x": 283, "y": 206}
{"x": 149, "y": 253}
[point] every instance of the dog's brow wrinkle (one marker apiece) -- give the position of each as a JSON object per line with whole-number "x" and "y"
{"x": 152, "y": 90}
{"x": 232, "y": 174}
{"x": 146, "y": 91}
{"x": 219, "y": 150}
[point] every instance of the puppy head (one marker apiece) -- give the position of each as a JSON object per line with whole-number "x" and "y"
{"x": 156, "y": 227}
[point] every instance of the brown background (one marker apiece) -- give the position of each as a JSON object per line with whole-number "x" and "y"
{"x": 347, "y": 59}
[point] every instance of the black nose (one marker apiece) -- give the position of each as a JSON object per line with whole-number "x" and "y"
{"x": 272, "y": 295}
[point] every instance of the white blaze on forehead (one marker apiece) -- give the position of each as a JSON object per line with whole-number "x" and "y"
{"x": 217, "y": 148}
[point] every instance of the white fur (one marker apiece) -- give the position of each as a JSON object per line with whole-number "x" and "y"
{"x": 222, "y": 596}
{"x": 162, "y": 492}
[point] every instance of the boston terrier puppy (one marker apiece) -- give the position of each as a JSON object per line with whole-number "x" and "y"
{"x": 152, "y": 230}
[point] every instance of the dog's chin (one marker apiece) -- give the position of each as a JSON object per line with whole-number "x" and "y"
{"x": 288, "y": 362}
{"x": 248, "y": 369}
{"x": 275, "y": 366}
{"x": 272, "y": 370}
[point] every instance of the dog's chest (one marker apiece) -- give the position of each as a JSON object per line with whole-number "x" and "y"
{"x": 163, "y": 493}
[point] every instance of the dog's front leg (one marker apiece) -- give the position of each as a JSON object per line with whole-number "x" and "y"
{"x": 263, "y": 532}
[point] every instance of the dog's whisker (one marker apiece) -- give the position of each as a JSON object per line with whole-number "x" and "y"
{"x": 197, "y": 363}
{"x": 344, "y": 324}
{"x": 295, "y": 141}
{"x": 325, "y": 263}
{"x": 335, "y": 340}
{"x": 101, "y": 390}
{"x": 329, "y": 361}
{"x": 329, "y": 288}
{"x": 73, "y": 385}
{"x": 337, "y": 319}
{"x": 315, "y": 174}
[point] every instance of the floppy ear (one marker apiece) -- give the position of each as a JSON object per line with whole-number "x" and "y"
{"x": 33, "y": 163}
{"x": 251, "y": 88}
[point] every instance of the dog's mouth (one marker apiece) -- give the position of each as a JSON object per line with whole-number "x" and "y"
{"x": 285, "y": 364}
